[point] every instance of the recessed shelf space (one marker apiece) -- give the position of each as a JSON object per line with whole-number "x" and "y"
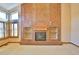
{"x": 51, "y": 33}
{"x": 27, "y": 33}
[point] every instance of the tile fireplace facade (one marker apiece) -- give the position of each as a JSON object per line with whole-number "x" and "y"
{"x": 40, "y": 23}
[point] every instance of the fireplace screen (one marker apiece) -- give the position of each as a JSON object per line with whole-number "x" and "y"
{"x": 40, "y": 36}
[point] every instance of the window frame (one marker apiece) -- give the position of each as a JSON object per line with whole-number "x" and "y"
{"x": 13, "y": 25}
{"x": 12, "y": 13}
{"x": 14, "y": 31}
{"x": 5, "y": 13}
{"x": 4, "y": 22}
{"x": 3, "y": 30}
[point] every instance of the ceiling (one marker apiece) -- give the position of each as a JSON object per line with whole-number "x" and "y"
{"x": 8, "y": 6}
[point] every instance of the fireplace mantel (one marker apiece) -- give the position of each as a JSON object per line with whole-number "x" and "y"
{"x": 39, "y": 29}
{"x": 40, "y": 26}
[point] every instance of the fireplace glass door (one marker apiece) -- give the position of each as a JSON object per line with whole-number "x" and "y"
{"x": 40, "y": 36}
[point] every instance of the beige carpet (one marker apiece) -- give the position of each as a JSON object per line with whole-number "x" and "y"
{"x": 15, "y": 49}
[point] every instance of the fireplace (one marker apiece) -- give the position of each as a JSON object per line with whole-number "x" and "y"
{"x": 40, "y": 36}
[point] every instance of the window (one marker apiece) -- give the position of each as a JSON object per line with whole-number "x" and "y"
{"x": 14, "y": 25}
{"x": 1, "y": 30}
{"x": 14, "y": 16}
{"x": 3, "y": 25}
{"x": 3, "y": 16}
{"x": 14, "y": 30}
{"x": 6, "y": 30}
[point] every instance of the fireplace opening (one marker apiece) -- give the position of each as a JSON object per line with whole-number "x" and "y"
{"x": 40, "y": 36}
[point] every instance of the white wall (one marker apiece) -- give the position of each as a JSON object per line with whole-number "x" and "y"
{"x": 75, "y": 24}
{"x": 65, "y": 22}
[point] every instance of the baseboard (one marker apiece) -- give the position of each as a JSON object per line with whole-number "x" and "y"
{"x": 4, "y": 44}
{"x": 70, "y": 43}
{"x": 13, "y": 42}
{"x": 8, "y": 43}
{"x": 66, "y": 42}
{"x": 4, "y": 38}
{"x": 20, "y": 43}
{"x": 74, "y": 44}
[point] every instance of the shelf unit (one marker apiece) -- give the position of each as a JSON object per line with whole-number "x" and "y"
{"x": 53, "y": 33}
{"x": 27, "y": 33}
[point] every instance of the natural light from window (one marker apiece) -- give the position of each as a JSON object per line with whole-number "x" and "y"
{"x": 14, "y": 24}
{"x": 3, "y": 16}
{"x": 14, "y": 16}
{"x": 3, "y": 22}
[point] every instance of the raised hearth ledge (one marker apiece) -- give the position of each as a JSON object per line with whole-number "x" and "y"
{"x": 32, "y": 42}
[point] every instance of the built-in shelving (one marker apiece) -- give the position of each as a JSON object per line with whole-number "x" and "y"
{"x": 27, "y": 33}
{"x": 51, "y": 33}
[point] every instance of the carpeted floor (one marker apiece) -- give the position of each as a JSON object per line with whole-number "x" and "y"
{"x": 17, "y": 49}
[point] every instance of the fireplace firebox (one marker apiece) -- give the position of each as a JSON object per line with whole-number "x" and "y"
{"x": 40, "y": 36}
